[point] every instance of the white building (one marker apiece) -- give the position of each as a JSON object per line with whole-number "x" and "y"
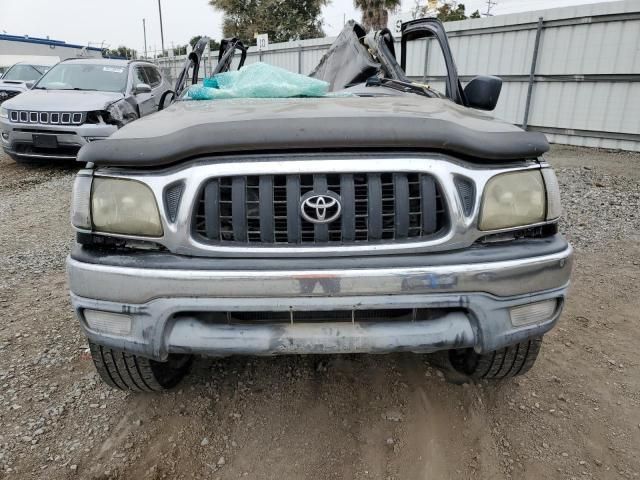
{"x": 15, "y": 49}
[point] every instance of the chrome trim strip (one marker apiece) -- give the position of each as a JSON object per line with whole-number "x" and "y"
{"x": 50, "y": 157}
{"x": 178, "y": 236}
{"x": 140, "y": 285}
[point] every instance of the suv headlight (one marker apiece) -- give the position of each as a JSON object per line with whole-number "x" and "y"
{"x": 126, "y": 207}
{"x": 4, "y": 113}
{"x": 513, "y": 199}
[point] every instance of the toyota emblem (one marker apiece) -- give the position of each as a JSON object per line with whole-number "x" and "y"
{"x": 320, "y": 208}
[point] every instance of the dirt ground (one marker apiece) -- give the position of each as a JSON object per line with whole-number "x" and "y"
{"x": 575, "y": 415}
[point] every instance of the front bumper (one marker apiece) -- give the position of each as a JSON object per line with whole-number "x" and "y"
{"x": 17, "y": 139}
{"x": 472, "y": 293}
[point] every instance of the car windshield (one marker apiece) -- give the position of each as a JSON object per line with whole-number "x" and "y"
{"x": 85, "y": 76}
{"x": 25, "y": 73}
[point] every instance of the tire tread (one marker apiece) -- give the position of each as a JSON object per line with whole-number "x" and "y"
{"x": 132, "y": 373}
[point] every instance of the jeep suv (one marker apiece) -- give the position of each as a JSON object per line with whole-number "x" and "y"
{"x": 77, "y": 102}
{"x": 388, "y": 218}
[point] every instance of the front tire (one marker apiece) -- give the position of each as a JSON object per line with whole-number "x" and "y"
{"x": 507, "y": 362}
{"x": 138, "y": 374}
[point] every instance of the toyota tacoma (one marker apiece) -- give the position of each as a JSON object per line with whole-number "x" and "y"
{"x": 385, "y": 217}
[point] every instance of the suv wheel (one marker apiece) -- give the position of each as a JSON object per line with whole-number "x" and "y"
{"x": 504, "y": 363}
{"x": 138, "y": 374}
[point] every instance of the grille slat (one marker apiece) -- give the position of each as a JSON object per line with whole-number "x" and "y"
{"x": 429, "y": 208}
{"x": 212, "y": 209}
{"x": 321, "y": 230}
{"x": 239, "y": 208}
{"x": 347, "y": 195}
{"x": 294, "y": 235}
{"x": 267, "y": 216}
{"x": 265, "y": 209}
{"x": 401, "y": 205}
{"x": 375, "y": 207}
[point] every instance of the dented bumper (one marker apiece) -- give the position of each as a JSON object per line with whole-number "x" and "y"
{"x": 175, "y": 310}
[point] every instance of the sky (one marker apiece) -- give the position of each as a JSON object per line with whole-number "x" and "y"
{"x": 119, "y": 22}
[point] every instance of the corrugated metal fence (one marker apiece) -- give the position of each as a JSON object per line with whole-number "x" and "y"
{"x": 572, "y": 73}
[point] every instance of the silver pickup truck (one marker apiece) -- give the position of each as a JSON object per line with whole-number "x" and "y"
{"x": 389, "y": 218}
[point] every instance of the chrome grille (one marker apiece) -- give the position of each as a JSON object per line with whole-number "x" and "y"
{"x": 47, "y": 118}
{"x": 265, "y": 209}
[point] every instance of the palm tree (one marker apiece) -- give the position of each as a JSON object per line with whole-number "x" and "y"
{"x": 375, "y": 13}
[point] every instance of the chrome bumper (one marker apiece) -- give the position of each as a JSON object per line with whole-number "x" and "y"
{"x": 166, "y": 306}
{"x": 12, "y": 135}
{"x": 141, "y": 285}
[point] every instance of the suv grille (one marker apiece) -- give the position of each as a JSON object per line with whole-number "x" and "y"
{"x": 48, "y": 118}
{"x": 266, "y": 209}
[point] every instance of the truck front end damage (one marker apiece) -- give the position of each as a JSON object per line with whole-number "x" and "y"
{"x": 238, "y": 268}
{"x": 389, "y": 218}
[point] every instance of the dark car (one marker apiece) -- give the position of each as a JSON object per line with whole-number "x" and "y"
{"x": 387, "y": 217}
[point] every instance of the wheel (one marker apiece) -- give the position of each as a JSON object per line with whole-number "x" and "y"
{"x": 138, "y": 374}
{"x": 504, "y": 363}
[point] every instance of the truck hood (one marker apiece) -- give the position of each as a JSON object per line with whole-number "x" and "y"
{"x": 189, "y": 129}
{"x": 62, "y": 100}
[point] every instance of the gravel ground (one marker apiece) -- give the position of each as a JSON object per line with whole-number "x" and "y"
{"x": 575, "y": 415}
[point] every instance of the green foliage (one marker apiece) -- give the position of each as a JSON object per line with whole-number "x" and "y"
{"x": 375, "y": 13}
{"x": 194, "y": 40}
{"x": 451, "y": 11}
{"x": 283, "y": 20}
{"x": 180, "y": 50}
{"x": 122, "y": 51}
{"x": 448, "y": 11}
{"x": 214, "y": 45}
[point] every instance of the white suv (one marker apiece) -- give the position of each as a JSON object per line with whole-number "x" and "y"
{"x": 76, "y": 102}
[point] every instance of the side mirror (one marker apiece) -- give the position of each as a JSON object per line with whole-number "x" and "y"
{"x": 29, "y": 84}
{"x": 141, "y": 88}
{"x": 483, "y": 91}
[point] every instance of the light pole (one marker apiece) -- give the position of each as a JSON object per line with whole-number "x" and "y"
{"x": 144, "y": 29}
{"x": 161, "y": 29}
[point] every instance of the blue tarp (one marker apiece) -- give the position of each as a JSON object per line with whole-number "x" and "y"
{"x": 258, "y": 80}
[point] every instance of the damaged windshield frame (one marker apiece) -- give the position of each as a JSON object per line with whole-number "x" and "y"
{"x": 356, "y": 58}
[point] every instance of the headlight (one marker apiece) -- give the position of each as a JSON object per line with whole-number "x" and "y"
{"x": 512, "y": 200}
{"x": 127, "y": 207}
{"x": 554, "y": 208}
{"x": 80, "y": 202}
{"x": 4, "y": 113}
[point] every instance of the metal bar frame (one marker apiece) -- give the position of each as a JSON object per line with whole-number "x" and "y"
{"x": 534, "y": 62}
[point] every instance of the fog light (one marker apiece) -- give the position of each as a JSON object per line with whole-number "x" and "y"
{"x": 532, "y": 313}
{"x": 107, "y": 322}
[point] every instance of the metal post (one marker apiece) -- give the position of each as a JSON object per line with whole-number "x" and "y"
{"x": 532, "y": 74}
{"x": 426, "y": 60}
{"x": 144, "y": 29}
{"x": 300, "y": 59}
{"x": 161, "y": 29}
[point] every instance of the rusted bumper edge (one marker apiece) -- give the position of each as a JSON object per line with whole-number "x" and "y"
{"x": 174, "y": 320}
